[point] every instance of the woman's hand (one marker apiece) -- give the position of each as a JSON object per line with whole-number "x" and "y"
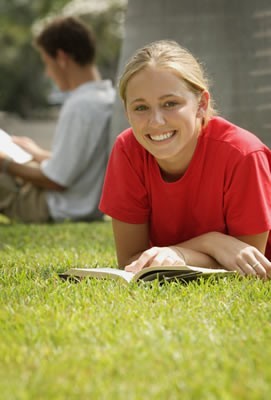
{"x": 157, "y": 256}
{"x": 245, "y": 259}
{"x": 237, "y": 255}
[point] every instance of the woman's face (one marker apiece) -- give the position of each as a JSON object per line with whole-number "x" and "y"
{"x": 165, "y": 116}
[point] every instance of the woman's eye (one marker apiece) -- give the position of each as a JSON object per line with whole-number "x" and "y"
{"x": 140, "y": 108}
{"x": 169, "y": 104}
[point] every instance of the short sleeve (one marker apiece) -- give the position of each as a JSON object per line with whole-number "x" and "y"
{"x": 247, "y": 201}
{"x": 79, "y": 130}
{"x": 124, "y": 196}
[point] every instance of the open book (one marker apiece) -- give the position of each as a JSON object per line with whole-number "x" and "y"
{"x": 12, "y": 150}
{"x": 182, "y": 273}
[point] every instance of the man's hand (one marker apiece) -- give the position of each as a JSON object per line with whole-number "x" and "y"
{"x": 3, "y": 156}
{"x": 29, "y": 145}
{"x": 28, "y": 173}
{"x": 4, "y": 161}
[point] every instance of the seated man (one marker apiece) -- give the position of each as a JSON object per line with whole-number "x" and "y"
{"x": 66, "y": 182}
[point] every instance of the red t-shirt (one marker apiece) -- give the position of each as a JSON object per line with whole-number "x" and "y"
{"x": 226, "y": 188}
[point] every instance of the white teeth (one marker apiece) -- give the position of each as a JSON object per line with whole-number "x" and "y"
{"x": 164, "y": 136}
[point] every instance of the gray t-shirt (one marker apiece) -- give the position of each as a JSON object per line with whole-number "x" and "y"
{"x": 79, "y": 152}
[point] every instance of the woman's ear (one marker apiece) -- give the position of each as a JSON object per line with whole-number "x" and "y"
{"x": 203, "y": 103}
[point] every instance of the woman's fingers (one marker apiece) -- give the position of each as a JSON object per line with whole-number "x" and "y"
{"x": 259, "y": 270}
{"x": 166, "y": 258}
{"x": 156, "y": 256}
{"x": 253, "y": 262}
{"x": 143, "y": 261}
{"x": 131, "y": 267}
{"x": 266, "y": 264}
{"x": 247, "y": 269}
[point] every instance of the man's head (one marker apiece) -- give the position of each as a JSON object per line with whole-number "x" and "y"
{"x": 70, "y": 35}
{"x": 63, "y": 41}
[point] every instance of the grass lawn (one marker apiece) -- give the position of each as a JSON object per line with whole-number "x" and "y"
{"x": 105, "y": 340}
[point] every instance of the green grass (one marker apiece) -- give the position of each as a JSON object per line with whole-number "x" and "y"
{"x": 105, "y": 340}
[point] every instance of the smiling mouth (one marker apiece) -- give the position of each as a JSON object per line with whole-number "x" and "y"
{"x": 162, "y": 137}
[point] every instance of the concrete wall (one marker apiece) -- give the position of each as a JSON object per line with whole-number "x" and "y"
{"x": 231, "y": 37}
{"x": 40, "y": 130}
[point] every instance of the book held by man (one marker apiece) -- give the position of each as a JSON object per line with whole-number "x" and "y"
{"x": 183, "y": 273}
{"x": 12, "y": 150}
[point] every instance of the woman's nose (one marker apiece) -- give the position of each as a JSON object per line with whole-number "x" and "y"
{"x": 156, "y": 118}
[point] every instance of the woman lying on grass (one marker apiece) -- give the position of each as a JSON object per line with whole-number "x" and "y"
{"x": 184, "y": 186}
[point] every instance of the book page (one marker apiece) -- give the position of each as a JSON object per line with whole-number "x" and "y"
{"x": 12, "y": 150}
{"x": 100, "y": 273}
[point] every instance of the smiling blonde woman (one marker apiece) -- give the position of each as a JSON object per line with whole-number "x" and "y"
{"x": 184, "y": 186}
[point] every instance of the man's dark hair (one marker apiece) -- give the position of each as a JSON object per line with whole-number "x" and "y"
{"x": 70, "y": 35}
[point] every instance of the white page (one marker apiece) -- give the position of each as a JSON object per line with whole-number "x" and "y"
{"x": 104, "y": 272}
{"x": 12, "y": 150}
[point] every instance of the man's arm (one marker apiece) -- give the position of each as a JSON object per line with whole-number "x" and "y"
{"x": 39, "y": 154}
{"x": 28, "y": 173}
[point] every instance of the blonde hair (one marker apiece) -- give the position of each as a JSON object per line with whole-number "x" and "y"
{"x": 167, "y": 54}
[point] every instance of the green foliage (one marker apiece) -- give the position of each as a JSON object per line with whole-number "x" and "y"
{"x": 105, "y": 340}
{"x": 23, "y": 87}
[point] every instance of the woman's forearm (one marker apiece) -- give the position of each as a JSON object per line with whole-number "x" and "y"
{"x": 238, "y": 254}
{"x": 203, "y": 243}
{"x": 196, "y": 258}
